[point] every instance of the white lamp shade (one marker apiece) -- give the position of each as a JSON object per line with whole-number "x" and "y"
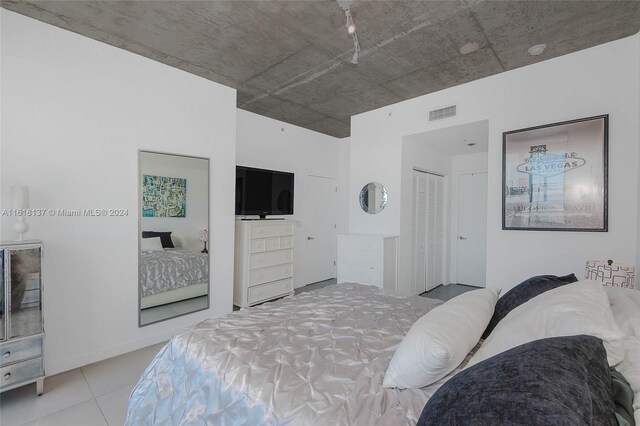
{"x": 20, "y": 196}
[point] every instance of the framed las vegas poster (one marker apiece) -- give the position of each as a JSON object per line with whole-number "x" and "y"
{"x": 554, "y": 176}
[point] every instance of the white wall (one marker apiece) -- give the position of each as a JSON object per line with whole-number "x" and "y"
{"x": 638, "y": 122}
{"x": 344, "y": 149}
{"x": 271, "y": 144}
{"x": 196, "y": 172}
{"x": 74, "y": 114}
{"x": 603, "y": 79}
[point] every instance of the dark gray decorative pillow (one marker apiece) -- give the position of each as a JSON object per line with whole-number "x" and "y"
{"x": 523, "y": 292}
{"x": 165, "y": 237}
{"x": 555, "y": 381}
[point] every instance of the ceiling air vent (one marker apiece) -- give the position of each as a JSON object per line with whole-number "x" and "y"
{"x": 442, "y": 113}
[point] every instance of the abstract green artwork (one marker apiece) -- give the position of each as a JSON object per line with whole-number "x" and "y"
{"x": 164, "y": 196}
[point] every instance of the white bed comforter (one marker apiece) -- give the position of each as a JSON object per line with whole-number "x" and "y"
{"x": 625, "y": 305}
{"x": 316, "y": 359}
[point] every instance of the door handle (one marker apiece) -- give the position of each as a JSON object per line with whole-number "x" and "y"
{"x": 462, "y": 238}
{"x": 310, "y": 238}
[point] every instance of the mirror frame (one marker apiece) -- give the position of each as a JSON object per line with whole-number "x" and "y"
{"x": 139, "y": 234}
{"x": 361, "y": 197}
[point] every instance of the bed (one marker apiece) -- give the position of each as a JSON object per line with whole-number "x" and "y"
{"x": 172, "y": 275}
{"x": 317, "y": 358}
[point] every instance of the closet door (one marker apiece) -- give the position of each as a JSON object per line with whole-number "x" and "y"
{"x": 419, "y": 232}
{"x": 427, "y": 231}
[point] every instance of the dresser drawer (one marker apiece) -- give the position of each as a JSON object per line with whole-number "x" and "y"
{"x": 272, "y": 244}
{"x": 257, "y": 246}
{"x": 270, "y": 258}
{"x": 274, "y": 273}
{"x": 21, "y": 372}
{"x": 286, "y": 242}
{"x": 19, "y": 351}
{"x": 270, "y": 290}
{"x": 271, "y": 230}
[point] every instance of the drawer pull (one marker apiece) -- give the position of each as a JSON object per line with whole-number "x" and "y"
{"x": 6, "y": 355}
{"x": 7, "y": 376}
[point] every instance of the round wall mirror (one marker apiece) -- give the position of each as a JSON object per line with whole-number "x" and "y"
{"x": 373, "y": 197}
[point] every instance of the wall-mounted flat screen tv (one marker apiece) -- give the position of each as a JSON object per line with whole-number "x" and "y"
{"x": 263, "y": 192}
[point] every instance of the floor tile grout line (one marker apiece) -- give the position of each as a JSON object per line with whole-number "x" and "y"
{"x": 70, "y": 406}
{"x": 88, "y": 384}
{"x": 95, "y": 399}
{"x": 101, "y": 412}
{"x": 62, "y": 409}
{"x": 92, "y": 392}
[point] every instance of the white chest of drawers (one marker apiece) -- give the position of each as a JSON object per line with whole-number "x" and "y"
{"x": 368, "y": 259}
{"x": 263, "y": 261}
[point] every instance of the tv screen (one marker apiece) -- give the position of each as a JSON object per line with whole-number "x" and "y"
{"x": 263, "y": 192}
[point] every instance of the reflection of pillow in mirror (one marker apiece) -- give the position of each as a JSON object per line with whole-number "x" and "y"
{"x": 151, "y": 244}
{"x": 165, "y": 237}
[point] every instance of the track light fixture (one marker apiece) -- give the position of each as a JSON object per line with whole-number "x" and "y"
{"x": 351, "y": 27}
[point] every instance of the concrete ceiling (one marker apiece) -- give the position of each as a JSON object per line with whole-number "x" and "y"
{"x": 290, "y": 60}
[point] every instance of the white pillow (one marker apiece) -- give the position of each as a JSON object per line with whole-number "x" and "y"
{"x": 151, "y": 244}
{"x": 569, "y": 310}
{"x": 625, "y": 305}
{"x": 439, "y": 341}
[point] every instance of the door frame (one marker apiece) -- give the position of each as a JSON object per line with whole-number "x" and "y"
{"x": 456, "y": 231}
{"x": 307, "y": 230}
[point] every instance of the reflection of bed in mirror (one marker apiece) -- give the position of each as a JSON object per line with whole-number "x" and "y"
{"x": 172, "y": 274}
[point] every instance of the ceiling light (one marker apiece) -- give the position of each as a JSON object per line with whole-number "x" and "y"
{"x": 536, "y": 50}
{"x": 351, "y": 27}
{"x": 469, "y": 47}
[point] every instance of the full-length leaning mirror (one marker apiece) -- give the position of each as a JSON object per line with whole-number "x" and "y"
{"x": 173, "y": 218}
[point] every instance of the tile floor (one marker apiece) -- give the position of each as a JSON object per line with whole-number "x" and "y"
{"x": 93, "y": 395}
{"x": 315, "y": 286}
{"x": 446, "y": 292}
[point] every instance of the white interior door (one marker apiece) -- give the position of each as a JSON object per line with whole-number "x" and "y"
{"x": 322, "y": 209}
{"x": 472, "y": 229}
{"x": 427, "y": 231}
